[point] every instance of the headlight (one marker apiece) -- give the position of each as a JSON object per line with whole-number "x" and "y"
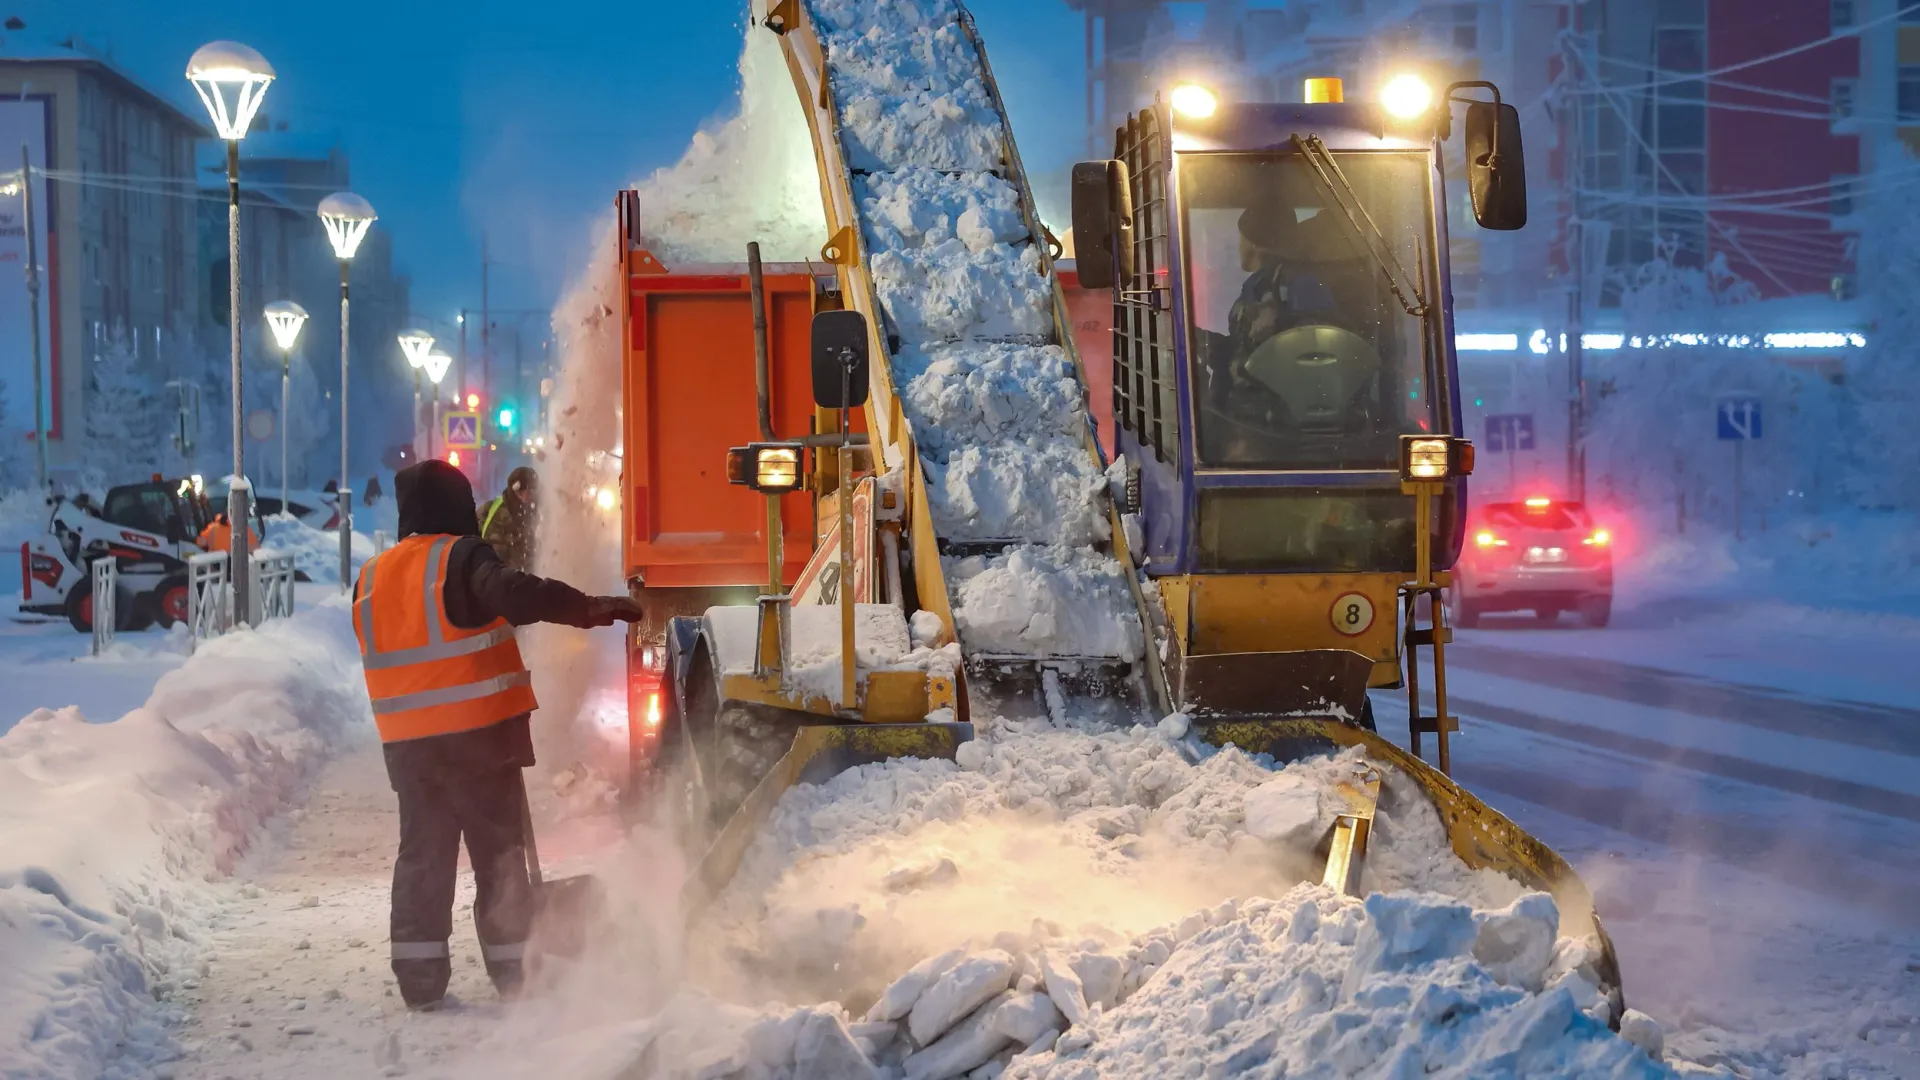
{"x": 1407, "y": 96}
{"x": 1434, "y": 457}
{"x": 769, "y": 468}
{"x": 1194, "y": 100}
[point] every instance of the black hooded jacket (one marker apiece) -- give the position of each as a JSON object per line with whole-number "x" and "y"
{"x": 435, "y": 498}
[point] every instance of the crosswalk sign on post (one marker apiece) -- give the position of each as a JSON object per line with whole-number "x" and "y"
{"x": 461, "y": 431}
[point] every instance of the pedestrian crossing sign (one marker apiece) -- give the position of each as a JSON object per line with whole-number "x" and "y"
{"x": 462, "y": 431}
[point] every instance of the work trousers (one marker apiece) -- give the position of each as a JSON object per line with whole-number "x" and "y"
{"x": 438, "y": 806}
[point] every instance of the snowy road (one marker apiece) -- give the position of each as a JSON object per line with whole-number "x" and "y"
{"x": 1742, "y": 792}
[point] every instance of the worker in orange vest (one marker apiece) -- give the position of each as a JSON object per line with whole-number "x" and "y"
{"x": 218, "y": 535}
{"x": 452, "y": 700}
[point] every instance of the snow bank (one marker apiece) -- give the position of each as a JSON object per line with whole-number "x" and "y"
{"x": 1039, "y": 600}
{"x": 110, "y": 835}
{"x": 315, "y": 552}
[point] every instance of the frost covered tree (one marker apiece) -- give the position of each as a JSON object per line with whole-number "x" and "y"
{"x": 125, "y": 426}
{"x": 1881, "y": 384}
{"x": 16, "y": 446}
{"x": 1651, "y": 442}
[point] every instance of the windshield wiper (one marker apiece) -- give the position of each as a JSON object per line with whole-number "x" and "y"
{"x": 1325, "y": 169}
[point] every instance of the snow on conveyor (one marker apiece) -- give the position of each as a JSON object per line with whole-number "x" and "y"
{"x": 998, "y": 413}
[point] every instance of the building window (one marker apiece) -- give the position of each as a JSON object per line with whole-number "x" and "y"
{"x": 1841, "y": 98}
{"x": 1842, "y": 14}
{"x": 1908, "y": 104}
{"x": 1841, "y": 204}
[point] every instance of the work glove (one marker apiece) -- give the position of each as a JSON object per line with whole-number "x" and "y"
{"x": 607, "y": 610}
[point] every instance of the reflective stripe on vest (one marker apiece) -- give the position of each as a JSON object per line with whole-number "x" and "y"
{"x": 425, "y": 675}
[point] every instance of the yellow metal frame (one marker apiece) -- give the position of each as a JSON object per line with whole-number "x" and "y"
{"x": 1262, "y": 613}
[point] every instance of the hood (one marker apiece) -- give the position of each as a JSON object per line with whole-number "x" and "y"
{"x": 435, "y": 497}
{"x": 525, "y": 477}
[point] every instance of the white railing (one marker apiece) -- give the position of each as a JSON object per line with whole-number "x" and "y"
{"x": 273, "y": 580}
{"x": 209, "y": 599}
{"x": 106, "y": 609}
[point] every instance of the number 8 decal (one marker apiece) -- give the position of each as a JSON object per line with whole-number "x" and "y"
{"x": 1352, "y": 614}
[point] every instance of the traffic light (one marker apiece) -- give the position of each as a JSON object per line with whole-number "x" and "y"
{"x": 506, "y": 418}
{"x": 473, "y": 402}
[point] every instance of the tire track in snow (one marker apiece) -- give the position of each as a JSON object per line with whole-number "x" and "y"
{"x": 1873, "y": 727}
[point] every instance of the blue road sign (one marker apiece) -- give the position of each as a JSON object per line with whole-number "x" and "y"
{"x": 1509, "y": 432}
{"x": 462, "y": 431}
{"x": 1738, "y": 418}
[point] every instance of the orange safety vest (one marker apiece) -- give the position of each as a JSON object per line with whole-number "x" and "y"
{"x": 425, "y": 675}
{"x": 219, "y": 536}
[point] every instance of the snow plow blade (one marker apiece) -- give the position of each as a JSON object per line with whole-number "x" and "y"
{"x": 1247, "y": 686}
{"x": 1482, "y": 837}
{"x": 818, "y": 752}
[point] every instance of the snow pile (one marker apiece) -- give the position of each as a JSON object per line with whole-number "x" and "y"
{"x": 1049, "y": 905}
{"x": 111, "y": 833}
{"x": 315, "y": 552}
{"x": 1036, "y": 600}
{"x": 908, "y": 87}
{"x": 750, "y": 178}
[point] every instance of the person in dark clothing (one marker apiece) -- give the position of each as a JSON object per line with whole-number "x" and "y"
{"x": 453, "y": 701}
{"x": 508, "y": 521}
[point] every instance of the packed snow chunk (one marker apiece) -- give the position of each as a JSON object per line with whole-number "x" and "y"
{"x": 1516, "y": 943}
{"x": 1247, "y": 997}
{"x": 855, "y": 16}
{"x": 900, "y": 996}
{"x": 882, "y": 642}
{"x": 1288, "y": 808}
{"x": 926, "y": 628}
{"x": 920, "y": 875}
{"x": 962, "y": 989}
{"x": 1406, "y": 931}
{"x": 1026, "y": 1017}
{"x": 1100, "y": 977}
{"x": 989, "y": 394}
{"x": 1644, "y": 1032}
{"x": 1045, "y": 601}
{"x": 950, "y": 292}
{"x": 1064, "y": 987}
{"x": 915, "y": 208}
{"x": 825, "y": 1050}
{"x": 967, "y": 1046}
{"x": 1047, "y": 493}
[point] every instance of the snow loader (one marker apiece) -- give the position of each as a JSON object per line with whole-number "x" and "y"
{"x": 151, "y": 529}
{"x": 1261, "y": 578}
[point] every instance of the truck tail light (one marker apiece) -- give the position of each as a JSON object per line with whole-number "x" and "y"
{"x": 653, "y": 710}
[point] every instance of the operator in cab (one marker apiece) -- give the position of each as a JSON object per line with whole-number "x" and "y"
{"x": 452, "y": 699}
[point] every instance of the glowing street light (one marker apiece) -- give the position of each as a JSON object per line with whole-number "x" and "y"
{"x": 285, "y": 318}
{"x": 416, "y": 344}
{"x": 232, "y": 81}
{"x": 347, "y": 217}
{"x": 435, "y": 365}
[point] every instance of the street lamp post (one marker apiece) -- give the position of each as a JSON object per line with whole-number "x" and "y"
{"x": 436, "y": 365}
{"x": 416, "y": 344}
{"x": 285, "y": 318}
{"x": 232, "y": 81}
{"x": 347, "y": 217}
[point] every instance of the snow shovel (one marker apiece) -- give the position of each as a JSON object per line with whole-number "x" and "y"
{"x": 563, "y": 907}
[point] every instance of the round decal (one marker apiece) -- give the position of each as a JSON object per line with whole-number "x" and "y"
{"x": 1352, "y": 613}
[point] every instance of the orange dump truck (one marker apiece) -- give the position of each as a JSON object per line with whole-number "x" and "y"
{"x": 691, "y": 382}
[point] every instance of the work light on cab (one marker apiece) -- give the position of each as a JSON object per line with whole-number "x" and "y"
{"x": 769, "y": 468}
{"x": 1194, "y": 100}
{"x": 1407, "y": 96}
{"x": 1434, "y": 457}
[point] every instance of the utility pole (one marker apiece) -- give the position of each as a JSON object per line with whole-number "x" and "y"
{"x": 33, "y": 320}
{"x": 486, "y": 370}
{"x": 1575, "y": 241}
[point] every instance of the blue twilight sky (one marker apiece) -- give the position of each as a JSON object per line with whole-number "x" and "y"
{"x": 520, "y": 118}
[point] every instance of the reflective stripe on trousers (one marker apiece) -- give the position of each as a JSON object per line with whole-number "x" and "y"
{"x": 501, "y": 954}
{"x": 420, "y": 950}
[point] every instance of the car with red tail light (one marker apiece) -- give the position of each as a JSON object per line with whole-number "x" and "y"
{"x": 1540, "y": 554}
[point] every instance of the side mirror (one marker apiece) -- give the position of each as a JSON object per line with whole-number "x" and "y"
{"x": 1092, "y": 225}
{"x": 175, "y": 534}
{"x": 1102, "y": 223}
{"x": 840, "y": 359}
{"x": 1496, "y": 168}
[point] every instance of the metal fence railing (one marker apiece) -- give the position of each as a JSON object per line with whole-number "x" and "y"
{"x": 273, "y": 579}
{"x": 209, "y": 599}
{"x": 106, "y": 608}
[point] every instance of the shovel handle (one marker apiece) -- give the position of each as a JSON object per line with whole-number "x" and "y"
{"x": 526, "y": 828}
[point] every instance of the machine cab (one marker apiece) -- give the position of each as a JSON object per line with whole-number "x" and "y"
{"x": 1282, "y": 317}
